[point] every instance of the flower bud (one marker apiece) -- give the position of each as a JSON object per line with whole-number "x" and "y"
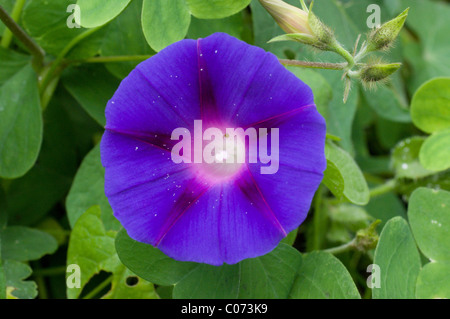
{"x": 384, "y": 36}
{"x": 367, "y": 239}
{"x": 300, "y": 25}
{"x": 378, "y": 72}
{"x": 321, "y": 31}
{"x": 291, "y": 19}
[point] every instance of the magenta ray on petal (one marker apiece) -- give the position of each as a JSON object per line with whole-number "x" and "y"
{"x": 208, "y": 108}
{"x": 211, "y": 213}
{"x": 247, "y": 184}
{"x": 194, "y": 190}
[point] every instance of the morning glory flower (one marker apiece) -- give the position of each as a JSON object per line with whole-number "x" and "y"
{"x": 179, "y": 108}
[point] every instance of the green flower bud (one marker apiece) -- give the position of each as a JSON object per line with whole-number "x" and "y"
{"x": 384, "y": 36}
{"x": 302, "y": 38}
{"x": 367, "y": 239}
{"x": 377, "y": 72}
{"x": 321, "y": 31}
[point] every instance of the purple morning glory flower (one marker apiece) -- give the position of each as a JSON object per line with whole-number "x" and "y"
{"x": 211, "y": 213}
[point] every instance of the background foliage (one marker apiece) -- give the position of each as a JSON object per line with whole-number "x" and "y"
{"x": 390, "y": 160}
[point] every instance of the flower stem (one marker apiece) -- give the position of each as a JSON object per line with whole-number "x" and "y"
{"x": 94, "y": 292}
{"x": 383, "y": 189}
{"x": 55, "y": 271}
{"x": 15, "y": 15}
{"x": 343, "y": 248}
{"x": 313, "y": 65}
{"x": 111, "y": 59}
{"x": 337, "y": 48}
{"x": 318, "y": 218}
{"x": 37, "y": 52}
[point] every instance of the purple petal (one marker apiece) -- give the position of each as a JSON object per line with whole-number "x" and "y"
{"x": 301, "y": 165}
{"x": 249, "y": 84}
{"x": 222, "y": 226}
{"x": 161, "y": 94}
{"x": 142, "y": 184}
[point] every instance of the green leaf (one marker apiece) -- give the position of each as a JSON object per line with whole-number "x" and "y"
{"x": 11, "y": 62}
{"x": 430, "y": 107}
{"x": 343, "y": 176}
{"x": 88, "y": 190}
{"x": 23, "y": 243}
{"x": 216, "y": 9}
{"x": 149, "y": 262}
{"x": 17, "y": 287}
{"x": 345, "y": 221}
{"x": 290, "y": 238}
{"x": 209, "y": 282}
{"x": 385, "y": 102}
{"x": 429, "y": 216}
{"x": 435, "y": 152}
{"x": 124, "y": 37}
{"x": 158, "y": 18}
{"x": 201, "y": 28}
{"x": 405, "y": 159}
{"x": 95, "y": 13}
{"x": 121, "y": 289}
{"x": 36, "y": 193}
{"x": 269, "y": 276}
{"x": 46, "y": 22}
{"x": 323, "y": 276}
{"x": 51, "y": 226}
{"x": 430, "y": 57}
{"x": 2, "y": 266}
{"x": 91, "y": 247}
{"x": 385, "y": 207}
{"x": 92, "y": 87}
{"x": 434, "y": 281}
{"x": 399, "y": 261}
{"x": 20, "y": 123}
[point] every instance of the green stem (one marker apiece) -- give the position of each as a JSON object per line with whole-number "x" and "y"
{"x": 345, "y": 54}
{"x": 111, "y": 59}
{"x": 42, "y": 287}
{"x": 317, "y": 218}
{"x": 314, "y": 65}
{"x": 304, "y": 7}
{"x": 373, "y": 178}
{"x": 343, "y": 248}
{"x": 59, "y": 59}
{"x": 15, "y": 15}
{"x": 47, "y": 95}
{"x": 48, "y": 272}
{"x": 383, "y": 189}
{"x": 37, "y": 52}
{"x": 94, "y": 292}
